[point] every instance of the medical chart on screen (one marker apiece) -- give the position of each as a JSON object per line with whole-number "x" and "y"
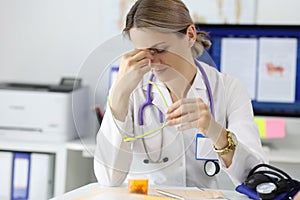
{"x": 277, "y": 69}
{"x": 238, "y": 58}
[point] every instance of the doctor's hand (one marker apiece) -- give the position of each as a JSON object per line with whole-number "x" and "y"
{"x": 133, "y": 66}
{"x": 194, "y": 113}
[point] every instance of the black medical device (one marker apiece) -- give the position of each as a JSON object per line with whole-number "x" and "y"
{"x": 268, "y": 182}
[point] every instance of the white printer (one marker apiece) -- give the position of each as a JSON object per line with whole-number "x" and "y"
{"x": 50, "y": 113}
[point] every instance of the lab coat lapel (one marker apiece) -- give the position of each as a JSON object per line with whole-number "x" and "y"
{"x": 198, "y": 88}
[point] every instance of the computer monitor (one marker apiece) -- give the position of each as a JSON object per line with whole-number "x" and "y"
{"x": 266, "y": 58}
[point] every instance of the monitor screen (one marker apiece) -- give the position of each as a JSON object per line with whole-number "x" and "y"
{"x": 266, "y": 58}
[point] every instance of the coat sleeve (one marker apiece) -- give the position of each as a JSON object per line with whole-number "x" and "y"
{"x": 240, "y": 121}
{"x": 113, "y": 156}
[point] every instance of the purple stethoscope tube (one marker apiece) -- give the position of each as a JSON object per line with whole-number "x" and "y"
{"x": 148, "y": 101}
{"x": 209, "y": 91}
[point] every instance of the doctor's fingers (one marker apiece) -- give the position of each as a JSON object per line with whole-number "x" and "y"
{"x": 142, "y": 54}
{"x": 198, "y": 119}
{"x": 194, "y": 124}
{"x": 175, "y": 106}
{"x": 129, "y": 66}
{"x": 135, "y": 56}
{"x": 183, "y": 118}
{"x": 141, "y": 67}
{"x": 184, "y": 106}
{"x": 182, "y": 114}
{"x": 135, "y": 52}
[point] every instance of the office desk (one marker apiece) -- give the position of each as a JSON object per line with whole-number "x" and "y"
{"x": 87, "y": 192}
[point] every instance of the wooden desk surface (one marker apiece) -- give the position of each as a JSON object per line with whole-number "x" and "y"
{"x": 91, "y": 191}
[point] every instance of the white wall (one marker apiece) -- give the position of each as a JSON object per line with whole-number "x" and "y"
{"x": 278, "y": 12}
{"x": 43, "y": 40}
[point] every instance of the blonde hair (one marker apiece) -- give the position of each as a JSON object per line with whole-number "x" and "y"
{"x": 165, "y": 15}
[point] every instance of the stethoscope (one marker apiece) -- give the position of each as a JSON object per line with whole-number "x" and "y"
{"x": 211, "y": 167}
{"x": 148, "y": 102}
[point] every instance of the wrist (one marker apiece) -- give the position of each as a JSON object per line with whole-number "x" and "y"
{"x": 232, "y": 142}
{"x": 217, "y": 134}
{"x": 221, "y": 141}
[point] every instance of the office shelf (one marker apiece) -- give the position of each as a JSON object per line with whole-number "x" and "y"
{"x": 71, "y": 170}
{"x": 86, "y": 145}
{"x": 283, "y": 155}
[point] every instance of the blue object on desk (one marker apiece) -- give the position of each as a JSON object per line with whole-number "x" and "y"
{"x": 247, "y": 191}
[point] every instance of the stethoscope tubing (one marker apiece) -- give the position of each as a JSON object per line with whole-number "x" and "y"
{"x": 148, "y": 102}
{"x": 208, "y": 87}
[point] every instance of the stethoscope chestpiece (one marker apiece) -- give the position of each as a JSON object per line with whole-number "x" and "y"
{"x": 211, "y": 167}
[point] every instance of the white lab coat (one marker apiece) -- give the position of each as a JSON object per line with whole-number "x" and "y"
{"x": 115, "y": 159}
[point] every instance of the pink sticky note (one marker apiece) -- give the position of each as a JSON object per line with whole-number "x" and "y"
{"x": 275, "y": 128}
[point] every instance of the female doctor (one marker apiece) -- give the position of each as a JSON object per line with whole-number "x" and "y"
{"x": 170, "y": 116}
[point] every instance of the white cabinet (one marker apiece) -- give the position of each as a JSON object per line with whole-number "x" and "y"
{"x": 71, "y": 169}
